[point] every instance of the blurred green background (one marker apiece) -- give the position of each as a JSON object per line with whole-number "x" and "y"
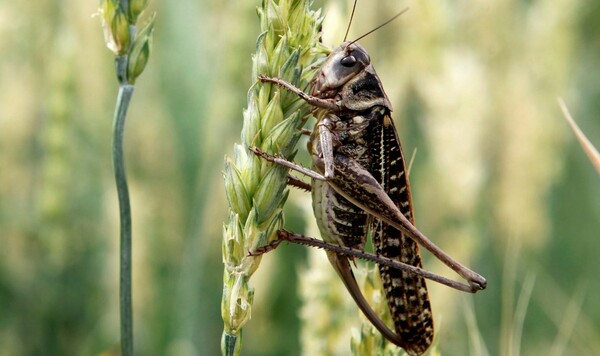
{"x": 498, "y": 178}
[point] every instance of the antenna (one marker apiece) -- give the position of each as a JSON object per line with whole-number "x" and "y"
{"x": 350, "y": 22}
{"x": 380, "y": 26}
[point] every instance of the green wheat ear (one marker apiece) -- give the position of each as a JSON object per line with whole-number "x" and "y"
{"x": 256, "y": 190}
{"x": 131, "y": 45}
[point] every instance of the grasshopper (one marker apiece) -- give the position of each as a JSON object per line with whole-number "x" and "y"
{"x": 360, "y": 188}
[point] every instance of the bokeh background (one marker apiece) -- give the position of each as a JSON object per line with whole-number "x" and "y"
{"x": 498, "y": 179}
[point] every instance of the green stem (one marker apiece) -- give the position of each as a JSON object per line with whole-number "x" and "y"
{"x": 232, "y": 344}
{"x": 123, "y": 99}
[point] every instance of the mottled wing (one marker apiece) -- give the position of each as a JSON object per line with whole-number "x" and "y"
{"x": 406, "y": 293}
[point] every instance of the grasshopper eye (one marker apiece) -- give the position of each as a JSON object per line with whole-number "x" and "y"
{"x": 348, "y": 61}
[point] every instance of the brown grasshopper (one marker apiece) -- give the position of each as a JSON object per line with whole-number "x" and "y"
{"x": 360, "y": 188}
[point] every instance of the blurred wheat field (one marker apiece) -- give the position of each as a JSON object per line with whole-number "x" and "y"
{"x": 498, "y": 179}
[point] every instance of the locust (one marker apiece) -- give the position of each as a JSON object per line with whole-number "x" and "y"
{"x": 360, "y": 188}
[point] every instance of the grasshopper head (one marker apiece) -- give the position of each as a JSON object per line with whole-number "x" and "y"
{"x": 345, "y": 62}
{"x": 348, "y": 76}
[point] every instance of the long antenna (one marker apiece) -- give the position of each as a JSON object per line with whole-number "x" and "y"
{"x": 350, "y": 23}
{"x": 380, "y": 26}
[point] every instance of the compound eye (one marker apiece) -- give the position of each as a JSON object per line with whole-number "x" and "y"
{"x": 348, "y": 61}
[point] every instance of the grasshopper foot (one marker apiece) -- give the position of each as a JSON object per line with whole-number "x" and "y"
{"x": 264, "y": 79}
{"x": 262, "y": 154}
{"x": 266, "y": 248}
